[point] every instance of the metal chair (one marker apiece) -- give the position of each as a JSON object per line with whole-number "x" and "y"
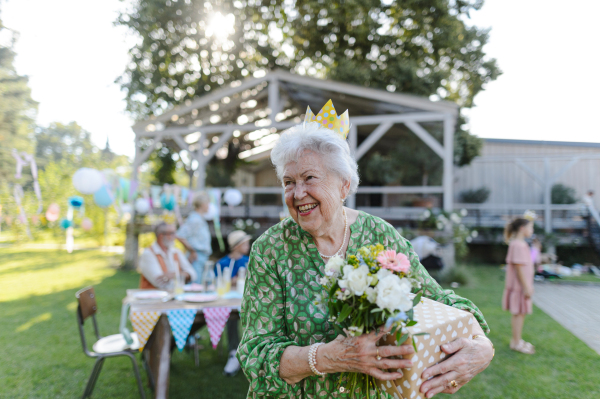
{"x": 105, "y": 347}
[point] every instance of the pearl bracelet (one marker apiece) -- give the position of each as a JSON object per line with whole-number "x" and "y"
{"x": 312, "y": 358}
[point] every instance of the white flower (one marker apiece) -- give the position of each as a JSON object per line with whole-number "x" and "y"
{"x": 463, "y": 212}
{"x": 455, "y": 218}
{"x": 383, "y": 273}
{"x": 356, "y": 280}
{"x": 355, "y": 331}
{"x": 334, "y": 265}
{"x": 468, "y": 239}
{"x": 392, "y": 293}
{"x": 371, "y": 294}
{"x": 474, "y": 233}
{"x": 324, "y": 281}
{"x": 439, "y": 225}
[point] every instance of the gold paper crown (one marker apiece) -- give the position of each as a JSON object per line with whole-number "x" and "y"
{"x": 530, "y": 215}
{"x": 340, "y": 124}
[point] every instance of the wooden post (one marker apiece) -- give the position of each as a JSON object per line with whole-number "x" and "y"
{"x": 130, "y": 259}
{"x": 351, "y": 200}
{"x": 449, "y": 122}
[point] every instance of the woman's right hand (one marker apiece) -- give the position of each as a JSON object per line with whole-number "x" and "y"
{"x": 528, "y": 291}
{"x": 359, "y": 355}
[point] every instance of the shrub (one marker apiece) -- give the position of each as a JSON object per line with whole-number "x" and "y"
{"x": 562, "y": 194}
{"x": 478, "y": 196}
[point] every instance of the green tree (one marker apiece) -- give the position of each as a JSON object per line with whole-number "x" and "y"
{"x": 70, "y": 142}
{"x": 17, "y": 109}
{"x": 422, "y": 47}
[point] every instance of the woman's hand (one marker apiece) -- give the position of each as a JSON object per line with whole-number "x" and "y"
{"x": 528, "y": 291}
{"x": 359, "y": 355}
{"x": 471, "y": 357}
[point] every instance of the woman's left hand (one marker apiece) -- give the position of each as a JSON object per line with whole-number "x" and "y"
{"x": 470, "y": 357}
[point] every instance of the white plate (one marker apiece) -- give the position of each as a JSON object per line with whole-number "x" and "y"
{"x": 191, "y": 297}
{"x": 193, "y": 287}
{"x": 150, "y": 294}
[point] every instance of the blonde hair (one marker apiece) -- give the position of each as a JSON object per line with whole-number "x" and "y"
{"x": 512, "y": 228}
{"x": 200, "y": 199}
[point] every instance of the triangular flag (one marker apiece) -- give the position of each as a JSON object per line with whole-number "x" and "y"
{"x": 216, "y": 318}
{"x": 181, "y": 321}
{"x": 143, "y": 323}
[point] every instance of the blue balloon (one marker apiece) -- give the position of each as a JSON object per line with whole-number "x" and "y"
{"x": 65, "y": 224}
{"x": 76, "y": 201}
{"x": 167, "y": 203}
{"x": 103, "y": 197}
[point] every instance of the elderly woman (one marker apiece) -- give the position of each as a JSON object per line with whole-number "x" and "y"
{"x": 195, "y": 236}
{"x": 280, "y": 321}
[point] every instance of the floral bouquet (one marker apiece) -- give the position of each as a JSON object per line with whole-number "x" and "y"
{"x": 367, "y": 291}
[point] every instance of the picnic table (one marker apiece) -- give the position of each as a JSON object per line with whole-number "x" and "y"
{"x": 150, "y": 319}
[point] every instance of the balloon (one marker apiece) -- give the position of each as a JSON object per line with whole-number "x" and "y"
{"x": 211, "y": 213}
{"x": 86, "y": 224}
{"x": 87, "y": 180}
{"x": 123, "y": 189}
{"x": 142, "y": 206}
{"x": 233, "y": 197}
{"x": 52, "y": 213}
{"x": 65, "y": 224}
{"x": 167, "y": 202}
{"x": 76, "y": 201}
{"x": 103, "y": 197}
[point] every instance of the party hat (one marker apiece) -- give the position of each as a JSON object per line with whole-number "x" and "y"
{"x": 340, "y": 124}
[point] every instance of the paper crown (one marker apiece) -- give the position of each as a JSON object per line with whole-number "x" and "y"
{"x": 530, "y": 215}
{"x": 327, "y": 117}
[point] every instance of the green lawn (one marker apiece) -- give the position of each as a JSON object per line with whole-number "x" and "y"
{"x": 42, "y": 357}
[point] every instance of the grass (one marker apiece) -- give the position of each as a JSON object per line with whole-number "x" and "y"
{"x": 584, "y": 277}
{"x": 42, "y": 357}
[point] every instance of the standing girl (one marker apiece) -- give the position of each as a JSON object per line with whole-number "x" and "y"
{"x": 519, "y": 280}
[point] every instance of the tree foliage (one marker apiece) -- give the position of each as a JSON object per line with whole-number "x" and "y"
{"x": 17, "y": 109}
{"x": 421, "y": 47}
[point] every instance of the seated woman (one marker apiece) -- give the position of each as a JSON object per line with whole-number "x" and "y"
{"x": 279, "y": 318}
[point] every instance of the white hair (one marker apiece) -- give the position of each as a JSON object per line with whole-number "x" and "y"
{"x": 333, "y": 150}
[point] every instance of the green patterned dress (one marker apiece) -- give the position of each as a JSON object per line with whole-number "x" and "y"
{"x": 278, "y": 308}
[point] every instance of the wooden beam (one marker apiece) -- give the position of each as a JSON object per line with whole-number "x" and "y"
{"x": 448, "y": 157}
{"x": 427, "y": 138}
{"x": 215, "y": 147}
{"x": 358, "y": 121}
{"x": 564, "y": 169}
{"x": 274, "y": 105}
{"x": 530, "y": 171}
{"x": 144, "y": 155}
{"x": 372, "y": 139}
{"x": 372, "y": 94}
{"x": 203, "y": 101}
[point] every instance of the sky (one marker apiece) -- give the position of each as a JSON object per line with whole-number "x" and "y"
{"x": 549, "y": 88}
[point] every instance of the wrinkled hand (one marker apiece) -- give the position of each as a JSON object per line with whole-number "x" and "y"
{"x": 359, "y": 355}
{"x": 471, "y": 357}
{"x": 193, "y": 255}
{"x": 186, "y": 276}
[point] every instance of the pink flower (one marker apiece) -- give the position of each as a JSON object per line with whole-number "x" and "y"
{"x": 393, "y": 261}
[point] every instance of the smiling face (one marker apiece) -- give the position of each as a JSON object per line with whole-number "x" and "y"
{"x": 313, "y": 194}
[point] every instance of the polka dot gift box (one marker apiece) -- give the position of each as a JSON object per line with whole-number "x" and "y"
{"x": 442, "y": 324}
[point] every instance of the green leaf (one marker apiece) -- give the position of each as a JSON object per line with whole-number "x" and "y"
{"x": 402, "y": 339}
{"x": 376, "y": 310}
{"x": 417, "y": 299}
{"x": 414, "y": 344}
{"x": 411, "y": 323}
{"x": 344, "y": 313}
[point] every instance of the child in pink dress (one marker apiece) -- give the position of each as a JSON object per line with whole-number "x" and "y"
{"x": 519, "y": 280}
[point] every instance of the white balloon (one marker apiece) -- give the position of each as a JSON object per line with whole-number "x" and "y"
{"x": 87, "y": 180}
{"x": 211, "y": 213}
{"x": 142, "y": 206}
{"x": 233, "y": 197}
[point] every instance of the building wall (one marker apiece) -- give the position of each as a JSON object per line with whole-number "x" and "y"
{"x": 510, "y": 184}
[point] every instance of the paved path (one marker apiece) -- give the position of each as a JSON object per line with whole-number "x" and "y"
{"x": 577, "y": 308}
